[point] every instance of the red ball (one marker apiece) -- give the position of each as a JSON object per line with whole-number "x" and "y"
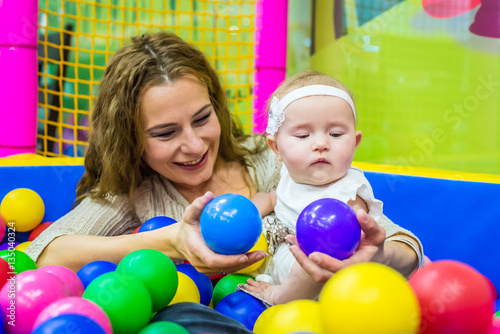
{"x": 6, "y": 272}
{"x": 454, "y": 298}
{"x": 37, "y": 230}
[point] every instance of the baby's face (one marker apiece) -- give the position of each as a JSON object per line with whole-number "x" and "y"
{"x": 317, "y": 139}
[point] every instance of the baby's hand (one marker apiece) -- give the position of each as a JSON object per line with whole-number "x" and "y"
{"x": 263, "y": 290}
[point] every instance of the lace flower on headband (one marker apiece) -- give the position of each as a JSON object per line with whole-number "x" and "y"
{"x": 276, "y": 116}
{"x": 277, "y": 107}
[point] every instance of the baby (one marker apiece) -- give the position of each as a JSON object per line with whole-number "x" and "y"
{"x": 312, "y": 129}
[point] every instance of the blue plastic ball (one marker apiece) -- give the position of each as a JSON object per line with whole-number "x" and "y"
{"x": 155, "y": 223}
{"x": 201, "y": 280}
{"x": 230, "y": 224}
{"x": 242, "y": 307}
{"x": 328, "y": 226}
{"x": 92, "y": 270}
{"x": 69, "y": 323}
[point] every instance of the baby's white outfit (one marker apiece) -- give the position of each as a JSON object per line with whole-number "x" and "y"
{"x": 292, "y": 198}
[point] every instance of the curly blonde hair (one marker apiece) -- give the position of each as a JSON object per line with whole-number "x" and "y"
{"x": 113, "y": 161}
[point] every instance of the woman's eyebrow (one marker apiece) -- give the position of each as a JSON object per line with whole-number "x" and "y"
{"x": 164, "y": 125}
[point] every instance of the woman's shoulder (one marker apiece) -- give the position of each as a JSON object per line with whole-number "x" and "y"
{"x": 261, "y": 155}
{"x": 264, "y": 164}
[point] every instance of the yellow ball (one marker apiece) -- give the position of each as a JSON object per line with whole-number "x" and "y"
{"x": 264, "y": 318}
{"x": 187, "y": 291}
{"x": 297, "y": 316}
{"x": 24, "y": 208}
{"x": 261, "y": 244}
{"x": 22, "y": 246}
{"x": 369, "y": 298}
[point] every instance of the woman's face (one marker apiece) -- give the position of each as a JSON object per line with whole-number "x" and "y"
{"x": 182, "y": 131}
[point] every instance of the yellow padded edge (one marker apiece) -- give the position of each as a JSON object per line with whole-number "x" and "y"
{"x": 428, "y": 172}
{"x": 28, "y": 159}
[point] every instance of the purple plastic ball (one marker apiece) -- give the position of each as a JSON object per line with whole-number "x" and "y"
{"x": 328, "y": 226}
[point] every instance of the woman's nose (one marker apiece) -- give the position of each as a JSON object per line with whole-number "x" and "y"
{"x": 192, "y": 143}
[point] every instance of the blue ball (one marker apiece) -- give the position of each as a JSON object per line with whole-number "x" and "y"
{"x": 155, "y": 223}
{"x": 230, "y": 224}
{"x": 69, "y": 323}
{"x": 242, "y": 307}
{"x": 92, "y": 270}
{"x": 201, "y": 280}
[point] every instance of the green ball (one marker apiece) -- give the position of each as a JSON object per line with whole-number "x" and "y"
{"x": 19, "y": 260}
{"x": 156, "y": 271}
{"x": 227, "y": 285}
{"x": 126, "y": 301}
{"x": 162, "y": 327}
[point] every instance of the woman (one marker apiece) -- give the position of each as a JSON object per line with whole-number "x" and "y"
{"x": 163, "y": 142}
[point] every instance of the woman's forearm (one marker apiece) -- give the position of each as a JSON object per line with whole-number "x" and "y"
{"x": 399, "y": 256}
{"x": 75, "y": 251}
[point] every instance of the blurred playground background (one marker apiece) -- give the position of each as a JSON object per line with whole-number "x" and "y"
{"x": 425, "y": 75}
{"x": 426, "y": 88}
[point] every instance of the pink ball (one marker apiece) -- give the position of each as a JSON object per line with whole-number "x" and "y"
{"x": 69, "y": 277}
{"x": 75, "y": 305}
{"x": 495, "y": 327}
{"x": 32, "y": 292}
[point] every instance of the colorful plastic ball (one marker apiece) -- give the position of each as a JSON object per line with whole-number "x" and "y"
{"x": 187, "y": 291}
{"x": 453, "y": 297}
{"x": 19, "y": 260}
{"x": 156, "y": 223}
{"x": 227, "y": 285}
{"x": 39, "y": 229}
{"x": 68, "y": 276}
{"x": 296, "y": 316}
{"x": 33, "y": 290}
{"x": 230, "y": 224}
{"x": 7, "y": 245}
{"x": 22, "y": 246}
{"x": 75, "y": 305}
{"x": 156, "y": 271}
{"x": 369, "y": 298}
{"x": 126, "y": 301}
{"x": 264, "y": 318}
{"x": 260, "y": 245}
{"x": 24, "y": 207}
{"x": 94, "y": 269}
{"x": 495, "y": 326}
{"x": 6, "y": 273}
{"x": 162, "y": 327}
{"x": 201, "y": 280}
{"x": 69, "y": 323}
{"x": 328, "y": 226}
{"x": 242, "y": 307}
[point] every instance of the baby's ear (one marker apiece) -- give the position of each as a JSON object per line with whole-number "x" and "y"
{"x": 271, "y": 141}
{"x": 359, "y": 136}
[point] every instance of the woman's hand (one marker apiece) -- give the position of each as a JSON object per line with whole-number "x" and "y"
{"x": 191, "y": 246}
{"x": 321, "y": 266}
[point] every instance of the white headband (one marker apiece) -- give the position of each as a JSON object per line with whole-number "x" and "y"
{"x": 277, "y": 107}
